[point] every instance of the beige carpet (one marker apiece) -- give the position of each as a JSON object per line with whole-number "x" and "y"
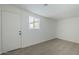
{"x": 52, "y": 47}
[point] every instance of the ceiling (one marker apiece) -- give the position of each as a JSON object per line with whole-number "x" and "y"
{"x": 54, "y": 11}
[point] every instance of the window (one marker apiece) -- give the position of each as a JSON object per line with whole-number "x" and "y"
{"x": 34, "y": 23}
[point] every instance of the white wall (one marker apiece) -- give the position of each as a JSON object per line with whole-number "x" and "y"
{"x": 30, "y": 36}
{"x": 68, "y": 29}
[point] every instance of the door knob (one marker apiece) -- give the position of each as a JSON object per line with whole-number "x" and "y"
{"x": 19, "y": 32}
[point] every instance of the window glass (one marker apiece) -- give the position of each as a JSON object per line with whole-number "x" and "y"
{"x": 34, "y": 23}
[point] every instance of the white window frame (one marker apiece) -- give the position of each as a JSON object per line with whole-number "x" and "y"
{"x": 33, "y": 23}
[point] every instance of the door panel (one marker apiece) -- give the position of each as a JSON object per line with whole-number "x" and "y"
{"x": 0, "y": 30}
{"x": 11, "y": 28}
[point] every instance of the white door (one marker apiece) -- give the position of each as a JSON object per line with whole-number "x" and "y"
{"x": 10, "y": 31}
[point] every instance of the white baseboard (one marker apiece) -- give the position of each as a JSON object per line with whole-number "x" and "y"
{"x": 0, "y": 53}
{"x": 69, "y": 40}
{"x": 30, "y": 44}
{"x": 36, "y": 43}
